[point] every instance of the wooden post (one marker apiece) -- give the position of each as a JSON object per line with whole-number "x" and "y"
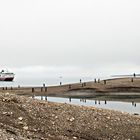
{"x": 41, "y": 89}
{"x": 105, "y": 82}
{"x": 84, "y": 84}
{"x": 46, "y": 89}
{"x": 69, "y": 86}
{"x": 95, "y": 80}
{"x": 33, "y": 89}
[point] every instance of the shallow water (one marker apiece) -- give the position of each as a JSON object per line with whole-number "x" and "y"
{"x": 129, "y": 107}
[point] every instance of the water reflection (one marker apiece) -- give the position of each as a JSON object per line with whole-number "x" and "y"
{"x": 130, "y": 107}
{"x": 134, "y": 104}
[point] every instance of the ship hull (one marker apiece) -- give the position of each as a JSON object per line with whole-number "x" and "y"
{"x": 7, "y": 79}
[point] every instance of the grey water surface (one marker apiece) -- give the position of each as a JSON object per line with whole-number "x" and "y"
{"x": 128, "y": 107}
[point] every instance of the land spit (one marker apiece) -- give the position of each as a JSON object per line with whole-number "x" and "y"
{"x": 125, "y": 89}
{"x": 23, "y": 118}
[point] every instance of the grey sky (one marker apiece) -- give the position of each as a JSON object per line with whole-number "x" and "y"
{"x": 95, "y": 34}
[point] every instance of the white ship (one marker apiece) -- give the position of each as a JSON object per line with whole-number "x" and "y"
{"x": 6, "y": 75}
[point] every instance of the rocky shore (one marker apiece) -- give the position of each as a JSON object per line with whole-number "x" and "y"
{"x": 23, "y": 118}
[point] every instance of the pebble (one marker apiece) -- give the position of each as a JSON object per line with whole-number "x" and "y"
{"x": 25, "y": 127}
{"x": 20, "y": 118}
{"x": 11, "y": 139}
{"x": 7, "y": 93}
{"x": 7, "y": 113}
{"x": 72, "y": 119}
{"x": 108, "y": 117}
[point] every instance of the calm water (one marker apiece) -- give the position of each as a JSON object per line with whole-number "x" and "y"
{"x": 36, "y": 79}
{"x": 39, "y": 81}
{"x": 113, "y": 105}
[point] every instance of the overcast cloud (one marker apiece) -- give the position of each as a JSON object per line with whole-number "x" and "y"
{"x": 89, "y": 35}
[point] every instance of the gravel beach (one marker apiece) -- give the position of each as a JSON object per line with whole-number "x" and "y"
{"x": 23, "y": 118}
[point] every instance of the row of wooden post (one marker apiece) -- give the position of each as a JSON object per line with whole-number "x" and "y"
{"x": 70, "y": 86}
{"x": 46, "y": 89}
{"x": 6, "y": 88}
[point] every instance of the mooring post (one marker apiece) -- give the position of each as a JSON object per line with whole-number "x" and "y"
{"x": 11, "y": 88}
{"x": 5, "y": 88}
{"x": 95, "y": 80}
{"x": 46, "y": 89}
{"x": 84, "y": 84}
{"x": 41, "y": 89}
{"x": 132, "y": 80}
{"x": 104, "y": 82}
{"x": 33, "y": 89}
{"x": 69, "y": 86}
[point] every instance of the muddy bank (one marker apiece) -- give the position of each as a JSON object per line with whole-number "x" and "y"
{"x": 23, "y": 118}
